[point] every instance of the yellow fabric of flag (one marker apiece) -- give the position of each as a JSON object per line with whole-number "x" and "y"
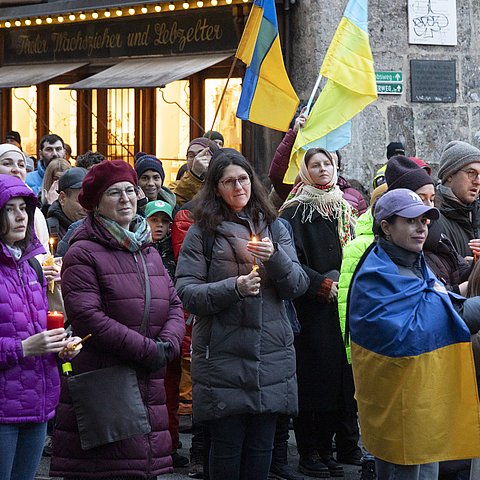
{"x": 351, "y": 86}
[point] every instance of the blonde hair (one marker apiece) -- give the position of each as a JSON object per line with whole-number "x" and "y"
{"x": 59, "y": 165}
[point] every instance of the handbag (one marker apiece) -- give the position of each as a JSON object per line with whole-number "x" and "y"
{"x": 107, "y": 402}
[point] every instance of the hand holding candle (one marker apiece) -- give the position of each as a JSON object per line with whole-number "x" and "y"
{"x": 49, "y": 271}
{"x": 261, "y": 250}
{"x": 73, "y": 348}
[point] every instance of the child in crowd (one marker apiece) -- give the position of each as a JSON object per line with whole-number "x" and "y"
{"x": 160, "y": 218}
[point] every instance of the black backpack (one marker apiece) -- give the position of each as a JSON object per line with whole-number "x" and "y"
{"x": 35, "y": 264}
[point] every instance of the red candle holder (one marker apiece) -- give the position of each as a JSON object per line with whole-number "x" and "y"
{"x": 55, "y": 320}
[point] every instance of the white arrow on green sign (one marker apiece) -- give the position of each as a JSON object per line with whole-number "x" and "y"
{"x": 390, "y": 88}
{"x": 389, "y": 77}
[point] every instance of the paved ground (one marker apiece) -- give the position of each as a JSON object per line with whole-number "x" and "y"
{"x": 351, "y": 472}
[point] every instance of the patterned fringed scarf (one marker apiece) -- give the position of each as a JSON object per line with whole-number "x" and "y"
{"x": 326, "y": 200}
{"x": 132, "y": 240}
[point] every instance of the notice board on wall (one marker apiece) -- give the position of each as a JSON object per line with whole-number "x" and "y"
{"x": 432, "y": 22}
{"x": 433, "y": 81}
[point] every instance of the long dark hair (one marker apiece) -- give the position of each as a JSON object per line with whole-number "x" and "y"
{"x": 4, "y": 228}
{"x": 210, "y": 209}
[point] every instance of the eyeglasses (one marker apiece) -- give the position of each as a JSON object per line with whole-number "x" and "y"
{"x": 471, "y": 174}
{"x": 116, "y": 194}
{"x": 231, "y": 183}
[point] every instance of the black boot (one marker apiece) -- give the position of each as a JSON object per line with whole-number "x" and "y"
{"x": 279, "y": 467}
{"x": 282, "y": 471}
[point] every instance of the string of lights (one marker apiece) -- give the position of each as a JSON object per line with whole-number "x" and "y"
{"x": 98, "y": 14}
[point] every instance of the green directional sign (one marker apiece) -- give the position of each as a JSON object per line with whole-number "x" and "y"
{"x": 390, "y": 88}
{"x": 389, "y": 77}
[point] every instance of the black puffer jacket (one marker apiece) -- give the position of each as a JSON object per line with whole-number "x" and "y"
{"x": 57, "y": 222}
{"x": 243, "y": 360}
{"x": 444, "y": 261}
{"x": 459, "y": 222}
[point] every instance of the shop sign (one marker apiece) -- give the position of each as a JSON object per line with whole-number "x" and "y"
{"x": 166, "y": 34}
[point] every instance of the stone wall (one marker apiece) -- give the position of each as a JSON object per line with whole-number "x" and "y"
{"x": 424, "y": 127}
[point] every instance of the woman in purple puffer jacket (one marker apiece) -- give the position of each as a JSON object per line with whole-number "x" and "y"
{"x": 29, "y": 379}
{"x": 103, "y": 286}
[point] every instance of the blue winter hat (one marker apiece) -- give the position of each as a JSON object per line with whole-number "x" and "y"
{"x": 144, "y": 162}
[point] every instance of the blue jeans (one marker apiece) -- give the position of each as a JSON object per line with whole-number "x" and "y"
{"x": 241, "y": 446}
{"x": 21, "y": 446}
{"x": 392, "y": 471}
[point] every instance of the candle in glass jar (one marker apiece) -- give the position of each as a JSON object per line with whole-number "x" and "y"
{"x": 55, "y": 320}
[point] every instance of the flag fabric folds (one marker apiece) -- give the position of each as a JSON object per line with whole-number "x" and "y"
{"x": 350, "y": 87}
{"x": 268, "y": 97}
{"x": 413, "y": 366}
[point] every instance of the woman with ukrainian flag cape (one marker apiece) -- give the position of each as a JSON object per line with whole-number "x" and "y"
{"x": 411, "y": 352}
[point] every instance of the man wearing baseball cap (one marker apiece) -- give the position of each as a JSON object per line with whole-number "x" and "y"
{"x": 457, "y": 196}
{"x": 66, "y": 210}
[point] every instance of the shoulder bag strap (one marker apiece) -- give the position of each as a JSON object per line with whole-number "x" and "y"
{"x": 148, "y": 298}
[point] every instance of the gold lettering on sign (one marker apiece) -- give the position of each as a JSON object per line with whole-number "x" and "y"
{"x": 64, "y": 42}
{"x": 201, "y": 32}
{"x": 139, "y": 39}
{"x": 28, "y": 46}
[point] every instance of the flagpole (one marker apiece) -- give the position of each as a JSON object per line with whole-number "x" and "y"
{"x": 230, "y": 73}
{"x": 312, "y": 96}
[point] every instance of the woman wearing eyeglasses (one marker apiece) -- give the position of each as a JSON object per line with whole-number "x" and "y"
{"x": 236, "y": 266}
{"x": 107, "y": 272}
{"x": 322, "y": 223}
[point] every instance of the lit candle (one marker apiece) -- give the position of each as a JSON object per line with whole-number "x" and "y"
{"x": 51, "y": 242}
{"x": 55, "y": 320}
{"x": 255, "y": 266}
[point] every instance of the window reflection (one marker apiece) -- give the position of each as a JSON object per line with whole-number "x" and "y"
{"x": 63, "y": 115}
{"x": 226, "y": 123}
{"x": 173, "y": 126}
{"x": 24, "y": 117}
{"x": 121, "y": 124}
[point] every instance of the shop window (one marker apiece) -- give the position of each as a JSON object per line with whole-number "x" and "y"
{"x": 226, "y": 123}
{"x": 24, "y": 117}
{"x": 114, "y": 137}
{"x": 121, "y": 124}
{"x": 63, "y": 115}
{"x": 172, "y": 126}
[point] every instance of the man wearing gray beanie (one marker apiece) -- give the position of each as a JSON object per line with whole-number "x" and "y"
{"x": 457, "y": 196}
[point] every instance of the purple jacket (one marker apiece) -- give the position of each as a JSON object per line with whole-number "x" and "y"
{"x": 279, "y": 167}
{"x": 103, "y": 290}
{"x": 29, "y": 386}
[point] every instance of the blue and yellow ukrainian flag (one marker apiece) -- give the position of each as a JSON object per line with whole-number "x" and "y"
{"x": 351, "y": 86}
{"x": 412, "y": 361}
{"x": 268, "y": 97}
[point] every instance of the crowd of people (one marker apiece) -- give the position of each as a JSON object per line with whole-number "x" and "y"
{"x": 314, "y": 303}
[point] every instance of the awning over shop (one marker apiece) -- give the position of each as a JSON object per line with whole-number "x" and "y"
{"x": 27, "y": 75}
{"x": 149, "y": 72}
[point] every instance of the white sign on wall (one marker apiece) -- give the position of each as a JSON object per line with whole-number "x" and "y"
{"x": 432, "y": 22}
